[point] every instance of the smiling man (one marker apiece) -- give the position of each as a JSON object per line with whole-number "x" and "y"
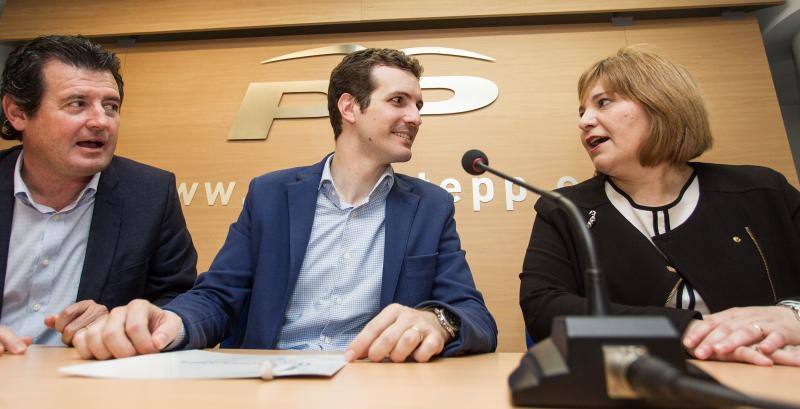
{"x": 343, "y": 255}
{"x": 81, "y": 230}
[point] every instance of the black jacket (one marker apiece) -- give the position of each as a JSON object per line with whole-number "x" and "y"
{"x": 740, "y": 247}
{"x": 138, "y": 246}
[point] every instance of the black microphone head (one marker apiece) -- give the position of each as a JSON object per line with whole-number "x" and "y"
{"x": 471, "y": 159}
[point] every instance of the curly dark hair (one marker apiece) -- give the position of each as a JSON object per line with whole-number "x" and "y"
{"x": 22, "y": 77}
{"x": 353, "y": 76}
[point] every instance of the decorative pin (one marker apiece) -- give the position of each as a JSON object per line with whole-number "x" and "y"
{"x": 592, "y": 219}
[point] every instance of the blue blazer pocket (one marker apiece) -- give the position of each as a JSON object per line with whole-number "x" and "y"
{"x": 416, "y": 266}
{"x": 418, "y": 276}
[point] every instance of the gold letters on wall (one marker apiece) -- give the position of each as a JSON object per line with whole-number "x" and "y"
{"x": 261, "y": 103}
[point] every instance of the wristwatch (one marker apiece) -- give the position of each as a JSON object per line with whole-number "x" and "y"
{"x": 793, "y": 305}
{"x": 449, "y": 321}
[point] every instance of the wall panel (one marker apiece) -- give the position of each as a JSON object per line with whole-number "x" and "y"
{"x": 23, "y": 19}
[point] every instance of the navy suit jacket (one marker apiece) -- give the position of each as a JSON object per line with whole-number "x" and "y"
{"x": 138, "y": 246}
{"x": 247, "y": 290}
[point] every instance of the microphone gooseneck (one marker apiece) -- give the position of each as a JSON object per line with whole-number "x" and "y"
{"x": 476, "y": 162}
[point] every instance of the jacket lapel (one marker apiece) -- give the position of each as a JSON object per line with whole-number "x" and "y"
{"x": 302, "y": 202}
{"x": 7, "y": 164}
{"x": 401, "y": 207}
{"x": 103, "y": 236}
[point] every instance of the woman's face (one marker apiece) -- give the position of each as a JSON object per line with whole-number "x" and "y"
{"x": 612, "y": 130}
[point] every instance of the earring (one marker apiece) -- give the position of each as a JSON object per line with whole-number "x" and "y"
{"x": 6, "y": 129}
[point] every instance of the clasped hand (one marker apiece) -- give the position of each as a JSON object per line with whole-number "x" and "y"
{"x": 758, "y": 335}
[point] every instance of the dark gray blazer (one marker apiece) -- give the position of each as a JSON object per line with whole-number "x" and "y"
{"x": 139, "y": 246}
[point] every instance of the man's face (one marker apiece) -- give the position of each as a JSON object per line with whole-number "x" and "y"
{"x": 387, "y": 127}
{"x": 73, "y": 134}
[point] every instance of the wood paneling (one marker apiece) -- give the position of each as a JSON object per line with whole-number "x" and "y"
{"x": 394, "y": 10}
{"x": 23, "y": 19}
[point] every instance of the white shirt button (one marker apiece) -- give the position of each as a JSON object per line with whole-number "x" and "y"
{"x": 37, "y": 307}
{"x": 346, "y": 256}
{"x": 327, "y": 340}
{"x": 45, "y": 262}
{"x": 339, "y": 300}
{"x": 56, "y": 217}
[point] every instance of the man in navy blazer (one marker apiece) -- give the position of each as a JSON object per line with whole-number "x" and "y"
{"x": 81, "y": 230}
{"x": 341, "y": 255}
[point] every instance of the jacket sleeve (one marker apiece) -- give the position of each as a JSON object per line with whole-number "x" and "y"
{"x": 219, "y": 295}
{"x": 172, "y": 269}
{"x": 552, "y": 282}
{"x": 454, "y": 290}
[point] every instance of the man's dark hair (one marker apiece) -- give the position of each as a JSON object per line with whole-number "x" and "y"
{"x": 353, "y": 76}
{"x": 23, "y": 79}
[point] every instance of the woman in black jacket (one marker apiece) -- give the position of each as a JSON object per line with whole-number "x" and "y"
{"x": 715, "y": 248}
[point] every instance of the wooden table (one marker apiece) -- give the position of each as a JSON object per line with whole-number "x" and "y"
{"x": 32, "y": 381}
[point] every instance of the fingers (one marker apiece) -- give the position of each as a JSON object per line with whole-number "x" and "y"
{"x": 69, "y": 325}
{"x": 137, "y": 326}
{"x": 94, "y": 340}
{"x": 408, "y": 342}
{"x": 696, "y": 332}
{"x": 750, "y": 355}
{"x": 68, "y": 314}
{"x": 10, "y": 342}
{"x": 788, "y": 355}
{"x": 126, "y": 332}
{"x": 742, "y": 336}
{"x": 374, "y": 328}
{"x": 773, "y": 342}
{"x": 167, "y": 329}
{"x": 113, "y": 334}
{"x": 432, "y": 345}
{"x": 399, "y": 333}
{"x": 386, "y": 341}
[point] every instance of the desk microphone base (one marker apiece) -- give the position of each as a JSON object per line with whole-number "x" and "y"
{"x": 570, "y": 368}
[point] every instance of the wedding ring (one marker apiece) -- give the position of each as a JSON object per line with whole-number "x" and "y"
{"x": 419, "y": 332}
{"x": 760, "y": 330}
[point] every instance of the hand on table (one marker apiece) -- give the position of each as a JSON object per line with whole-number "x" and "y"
{"x": 757, "y": 335}
{"x": 11, "y": 343}
{"x": 137, "y": 328}
{"x": 75, "y": 317}
{"x": 399, "y": 332}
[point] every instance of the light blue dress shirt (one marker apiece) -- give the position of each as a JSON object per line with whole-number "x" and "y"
{"x": 339, "y": 286}
{"x": 45, "y": 259}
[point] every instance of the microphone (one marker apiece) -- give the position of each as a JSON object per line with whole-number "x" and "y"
{"x": 601, "y": 360}
{"x": 476, "y": 162}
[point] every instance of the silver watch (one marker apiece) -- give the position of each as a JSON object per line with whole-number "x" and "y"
{"x": 793, "y": 305}
{"x": 447, "y": 320}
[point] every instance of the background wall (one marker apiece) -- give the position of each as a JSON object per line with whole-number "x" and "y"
{"x": 183, "y": 93}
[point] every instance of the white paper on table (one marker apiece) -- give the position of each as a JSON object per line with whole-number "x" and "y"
{"x": 197, "y": 364}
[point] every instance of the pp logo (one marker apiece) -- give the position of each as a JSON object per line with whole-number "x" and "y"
{"x": 260, "y": 106}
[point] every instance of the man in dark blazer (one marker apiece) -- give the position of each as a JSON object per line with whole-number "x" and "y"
{"x": 344, "y": 255}
{"x": 81, "y": 231}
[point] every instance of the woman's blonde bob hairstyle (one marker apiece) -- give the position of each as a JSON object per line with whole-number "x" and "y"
{"x": 679, "y": 129}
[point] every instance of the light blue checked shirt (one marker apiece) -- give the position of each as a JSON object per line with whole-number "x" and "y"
{"x": 338, "y": 290}
{"x": 45, "y": 259}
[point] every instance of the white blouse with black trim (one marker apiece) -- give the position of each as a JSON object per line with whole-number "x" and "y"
{"x": 655, "y": 221}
